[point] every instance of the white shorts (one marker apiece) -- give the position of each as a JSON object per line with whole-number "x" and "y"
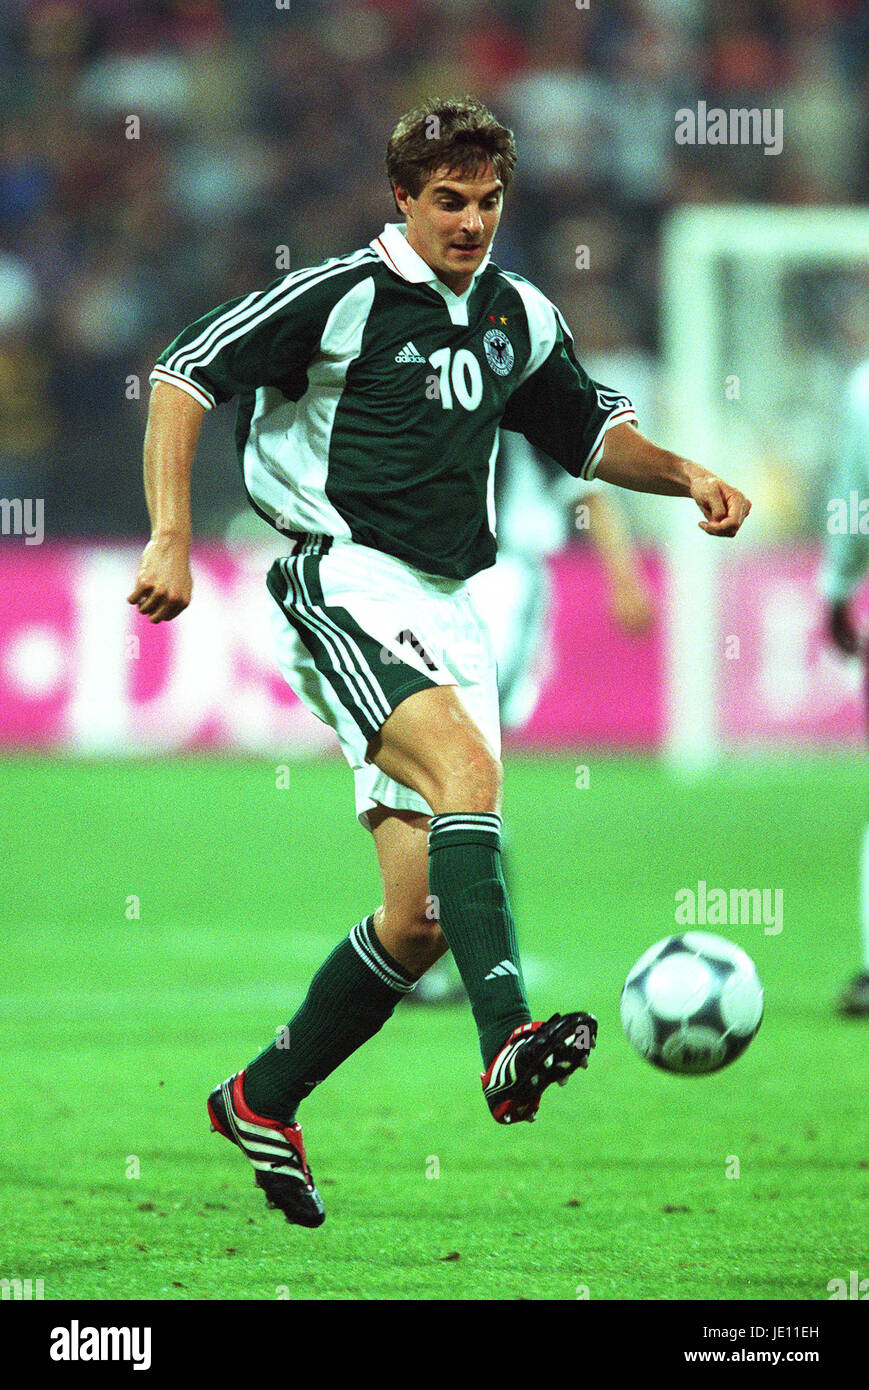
{"x": 357, "y": 631}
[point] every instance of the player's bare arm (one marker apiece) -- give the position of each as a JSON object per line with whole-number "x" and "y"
{"x": 164, "y": 582}
{"x": 632, "y": 461}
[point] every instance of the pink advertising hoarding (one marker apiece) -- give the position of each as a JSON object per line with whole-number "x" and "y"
{"x": 82, "y": 671}
{"x": 598, "y": 685}
{"x": 784, "y": 681}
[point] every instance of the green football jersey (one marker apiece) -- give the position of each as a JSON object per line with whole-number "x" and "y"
{"x": 371, "y": 397}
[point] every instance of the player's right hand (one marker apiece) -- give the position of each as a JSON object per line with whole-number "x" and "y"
{"x": 164, "y": 582}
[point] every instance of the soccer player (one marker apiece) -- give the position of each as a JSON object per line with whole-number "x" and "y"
{"x": 371, "y": 392}
{"x": 845, "y": 567}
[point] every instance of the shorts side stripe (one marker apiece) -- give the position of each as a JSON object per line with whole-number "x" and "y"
{"x": 328, "y": 658}
{"x": 343, "y": 653}
{"x": 308, "y": 574}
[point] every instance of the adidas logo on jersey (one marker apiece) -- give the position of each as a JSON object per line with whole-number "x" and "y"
{"x": 504, "y": 967}
{"x": 408, "y": 354}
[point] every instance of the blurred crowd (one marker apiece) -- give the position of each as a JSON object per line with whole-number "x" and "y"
{"x": 158, "y": 157}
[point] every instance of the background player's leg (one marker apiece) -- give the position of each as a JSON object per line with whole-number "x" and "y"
{"x": 431, "y": 744}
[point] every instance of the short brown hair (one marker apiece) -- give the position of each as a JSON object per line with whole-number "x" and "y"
{"x": 458, "y": 135}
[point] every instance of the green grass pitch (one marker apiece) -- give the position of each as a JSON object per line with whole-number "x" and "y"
{"x": 115, "y": 1027}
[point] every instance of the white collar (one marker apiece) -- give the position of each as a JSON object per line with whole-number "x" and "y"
{"x": 394, "y": 250}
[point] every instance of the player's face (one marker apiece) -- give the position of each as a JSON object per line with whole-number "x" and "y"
{"x": 452, "y": 222}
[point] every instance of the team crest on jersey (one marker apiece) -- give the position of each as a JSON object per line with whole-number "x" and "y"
{"x": 499, "y": 351}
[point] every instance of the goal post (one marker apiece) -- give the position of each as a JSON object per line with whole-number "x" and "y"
{"x": 738, "y": 398}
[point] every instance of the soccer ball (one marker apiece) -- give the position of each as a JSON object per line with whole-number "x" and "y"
{"x": 692, "y": 1003}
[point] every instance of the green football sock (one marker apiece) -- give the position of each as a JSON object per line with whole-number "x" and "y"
{"x": 349, "y": 999}
{"x": 466, "y": 880}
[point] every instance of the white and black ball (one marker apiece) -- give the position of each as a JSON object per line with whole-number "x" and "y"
{"x": 692, "y": 1003}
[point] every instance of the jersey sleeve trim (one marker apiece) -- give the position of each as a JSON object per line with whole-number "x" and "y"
{"x": 242, "y": 318}
{"x": 198, "y": 393}
{"x": 623, "y": 414}
{"x": 266, "y": 338}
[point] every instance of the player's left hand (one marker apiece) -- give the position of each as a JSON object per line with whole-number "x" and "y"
{"x": 724, "y": 507}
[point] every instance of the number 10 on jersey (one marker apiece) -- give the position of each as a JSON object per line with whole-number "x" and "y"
{"x": 461, "y": 377}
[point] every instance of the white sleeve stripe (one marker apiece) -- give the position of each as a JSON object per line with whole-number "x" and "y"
{"x": 255, "y": 310}
{"x": 619, "y": 417}
{"x": 192, "y": 388}
{"x": 261, "y": 317}
{"x": 258, "y": 299}
{"x": 177, "y": 360}
{"x": 254, "y": 302}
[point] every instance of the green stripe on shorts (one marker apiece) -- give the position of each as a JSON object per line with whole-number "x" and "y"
{"x": 367, "y": 678}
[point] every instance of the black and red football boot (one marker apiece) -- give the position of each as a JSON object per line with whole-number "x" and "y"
{"x": 535, "y": 1055}
{"x": 275, "y": 1149}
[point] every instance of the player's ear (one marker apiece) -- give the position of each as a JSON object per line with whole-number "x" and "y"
{"x": 402, "y": 199}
